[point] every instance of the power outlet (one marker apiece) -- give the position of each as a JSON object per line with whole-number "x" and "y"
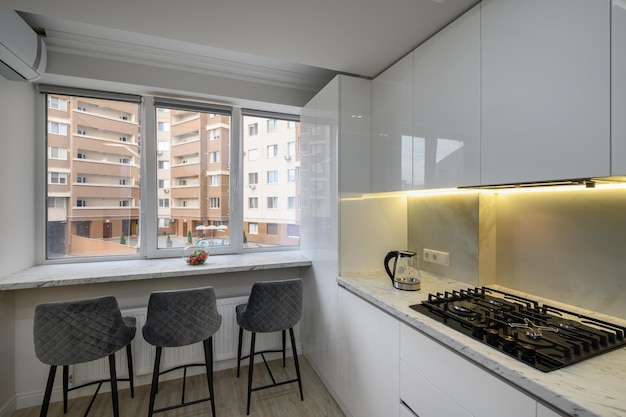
{"x": 436, "y": 257}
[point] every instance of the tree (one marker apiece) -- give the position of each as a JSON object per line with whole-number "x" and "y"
{"x": 122, "y": 239}
{"x": 188, "y": 236}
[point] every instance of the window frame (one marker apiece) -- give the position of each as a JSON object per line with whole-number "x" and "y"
{"x": 148, "y": 239}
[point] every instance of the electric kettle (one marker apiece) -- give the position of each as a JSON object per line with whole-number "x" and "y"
{"x": 404, "y": 272}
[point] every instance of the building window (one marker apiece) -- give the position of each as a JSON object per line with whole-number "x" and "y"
{"x": 272, "y": 229}
{"x": 253, "y": 178}
{"x": 291, "y": 175}
{"x": 56, "y": 202}
{"x": 272, "y": 177}
{"x": 163, "y": 164}
{"x": 214, "y": 157}
{"x": 162, "y": 147}
{"x": 57, "y": 178}
{"x": 57, "y": 103}
{"x": 253, "y": 202}
{"x": 272, "y": 151}
{"x": 214, "y": 180}
{"x": 253, "y": 228}
{"x": 164, "y": 202}
{"x": 124, "y": 203}
{"x": 81, "y": 179}
{"x": 163, "y": 183}
{"x": 293, "y": 230}
{"x": 291, "y": 148}
{"x": 163, "y": 126}
{"x": 57, "y": 153}
{"x": 81, "y": 155}
{"x": 214, "y": 134}
{"x": 291, "y": 203}
{"x": 253, "y": 129}
{"x": 271, "y": 125}
{"x": 253, "y": 154}
{"x": 81, "y": 203}
{"x": 272, "y": 202}
{"x": 291, "y": 124}
{"x": 214, "y": 202}
{"x": 57, "y": 128}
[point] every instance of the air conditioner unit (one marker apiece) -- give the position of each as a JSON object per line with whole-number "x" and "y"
{"x": 252, "y": 186}
{"x": 23, "y": 54}
{"x": 166, "y": 190}
{"x": 287, "y": 157}
{"x": 160, "y": 152}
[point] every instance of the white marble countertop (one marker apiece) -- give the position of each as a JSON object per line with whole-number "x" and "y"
{"x": 595, "y": 387}
{"x": 54, "y": 275}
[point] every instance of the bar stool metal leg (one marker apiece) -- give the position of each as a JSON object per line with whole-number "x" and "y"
{"x": 155, "y": 380}
{"x": 46, "y": 397}
{"x": 250, "y": 370}
{"x": 114, "y": 397}
{"x": 295, "y": 358}
{"x": 208, "y": 360}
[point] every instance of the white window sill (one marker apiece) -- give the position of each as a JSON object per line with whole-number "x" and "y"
{"x": 116, "y": 271}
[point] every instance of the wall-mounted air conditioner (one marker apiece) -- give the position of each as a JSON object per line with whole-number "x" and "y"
{"x": 23, "y": 54}
{"x": 252, "y": 186}
{"x": 166, "y": 190}
{"x": 287, "y": 157}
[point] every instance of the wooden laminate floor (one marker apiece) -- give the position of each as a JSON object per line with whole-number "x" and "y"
{"x": 230, "y": 397}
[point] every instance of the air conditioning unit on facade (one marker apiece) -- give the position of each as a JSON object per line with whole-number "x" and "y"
{"x": 287, "y": 157}
{"x": 166, "y": 190}
{"x": 23, "y": 54}
{"x": 252, "y": 186}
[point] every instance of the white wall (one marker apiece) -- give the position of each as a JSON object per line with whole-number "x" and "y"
{"x": 17, "y": 176}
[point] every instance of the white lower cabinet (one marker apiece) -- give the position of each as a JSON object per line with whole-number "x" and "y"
{"x": 433, "y": 378}
{"x": 368, "y": 374}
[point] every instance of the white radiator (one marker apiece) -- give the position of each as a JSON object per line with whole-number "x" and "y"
{"x": 224, "y": 347}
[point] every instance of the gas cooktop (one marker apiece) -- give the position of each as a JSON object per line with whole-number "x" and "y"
{"x": 542, "y": 336}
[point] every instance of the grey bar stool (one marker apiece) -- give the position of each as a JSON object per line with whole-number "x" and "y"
{"x": 73, "y": 332}
{"x": 273, "y": 306}
{"x": 180, "y": 318}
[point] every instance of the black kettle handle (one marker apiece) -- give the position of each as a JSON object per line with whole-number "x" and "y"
{"x": 391, "y": 255}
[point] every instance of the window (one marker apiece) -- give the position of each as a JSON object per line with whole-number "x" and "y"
{"x": 214, "y": 134}
{"x": 57, "y": 153}
{"x": 272, "y": 229}
{"x": 291, "y": 203}
{"x": 293, "y": 230}
{"x": 291, "y": 124}
{"x": 253, "y": 129}
{"x": 253, "y": 154}
{"x": 253, "y": 228}
{"x": 57, "y": 103}
{"x": 291, "y": 175}
{"x": 291, "y": 148}
{"x": 57, "y": 128}
{"x": 272, "y": 177}
{"x": 271, "y": 125}
{"x": 99, "y": 173}
{"x": 272, "y": 151}
{"x": 57, "y": 178}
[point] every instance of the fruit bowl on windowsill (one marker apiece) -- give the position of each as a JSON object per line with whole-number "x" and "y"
{"x": 195, "y": 255}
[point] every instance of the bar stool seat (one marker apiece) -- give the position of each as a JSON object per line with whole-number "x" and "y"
{"x": 73, "y": 332}
{"x": 273, "y": 306}
{"x": 180, "y": 318}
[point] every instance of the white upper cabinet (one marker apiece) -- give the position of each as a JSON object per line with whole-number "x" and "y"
{"x": 446, "y": 106}
{"x": 545, "y": 90}
{"x": 392, "y": 127}
{"x": 618, "y": 88}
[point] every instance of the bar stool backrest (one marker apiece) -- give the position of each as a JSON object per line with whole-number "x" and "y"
{"x": 72, "y": 332}
{"x": 273, "y": 306}
{"x": 181, "y": 317}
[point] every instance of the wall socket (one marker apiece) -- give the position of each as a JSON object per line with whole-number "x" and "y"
{"x": 436, "y": 257}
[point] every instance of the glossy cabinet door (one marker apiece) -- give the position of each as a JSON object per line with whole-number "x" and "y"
{"x": 545, "y": 90}
{"x": 392, "y": 128}
{"x": 464, "y": 389}
{"x": 618, "y": 88}
{"x": 368, "y": 358}
{"x": 446, "y": 106}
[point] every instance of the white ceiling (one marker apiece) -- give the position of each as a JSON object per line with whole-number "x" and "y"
{"x": 290, "y": 42}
